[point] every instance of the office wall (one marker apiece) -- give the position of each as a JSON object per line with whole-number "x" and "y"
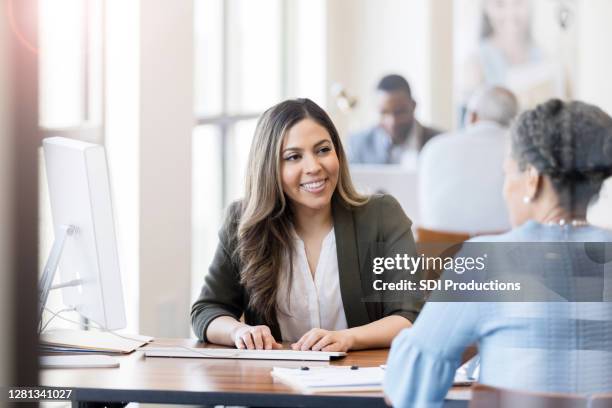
{"x": 166, "y": 125}
{"x": 440, "y": 69}
{"x": 148, "y": 136}
{"x": 595, "y": 76}
{"x": 594, "y": 53}
{"x": 6, "y": 305}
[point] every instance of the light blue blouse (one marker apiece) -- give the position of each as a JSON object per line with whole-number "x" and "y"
{"x": 548, "y": 347}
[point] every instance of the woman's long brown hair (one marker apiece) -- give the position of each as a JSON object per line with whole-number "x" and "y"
{"x": 265, "y": 238}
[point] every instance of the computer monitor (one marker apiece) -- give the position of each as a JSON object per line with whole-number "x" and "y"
{"x": 85, "y": 247}
{"x": 399, "y": 181}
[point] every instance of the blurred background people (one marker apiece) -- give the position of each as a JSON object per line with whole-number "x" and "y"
{"x": 398, "y": 137}
{"x": 460, "y": 173}
{"x": 561, "y": 153}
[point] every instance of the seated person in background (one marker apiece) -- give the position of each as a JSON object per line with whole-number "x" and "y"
{"x": 398, "y": 135}
{"x": 561, "y": 153}
{"x": 297, "y": 252}
{"x": 460, "y": 173}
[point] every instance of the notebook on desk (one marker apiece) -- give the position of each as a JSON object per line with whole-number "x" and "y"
{"x": 331, "y": 379}
{"x": 195, "y": 352}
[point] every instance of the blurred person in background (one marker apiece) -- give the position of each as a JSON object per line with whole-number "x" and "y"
{"x": 398, "y": 137}
{"x": 460, "y": 173}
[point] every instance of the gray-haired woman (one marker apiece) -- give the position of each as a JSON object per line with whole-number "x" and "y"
{"x": 561, "y": 153}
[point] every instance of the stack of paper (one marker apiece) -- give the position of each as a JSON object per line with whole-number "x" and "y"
{"x": 81, "y": 341}
{"x": 331, "y": 379}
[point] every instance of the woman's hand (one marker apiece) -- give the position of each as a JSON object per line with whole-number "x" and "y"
{"x": 254, "y": 338}
{"x": 325, "y": 340}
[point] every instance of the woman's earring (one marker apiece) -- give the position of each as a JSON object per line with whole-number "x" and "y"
{"x": 526, "y": 199}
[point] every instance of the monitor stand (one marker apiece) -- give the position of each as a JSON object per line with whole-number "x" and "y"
{"x": 51, "y": 267}
{"x": 68, "y": 361}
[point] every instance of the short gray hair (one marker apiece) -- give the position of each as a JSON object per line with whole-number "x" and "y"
{"x": 494, "y": 103}
{"x": 570, "y": 143}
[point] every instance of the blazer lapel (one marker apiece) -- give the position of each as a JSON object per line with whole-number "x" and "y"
{"x": 348, "y": 265}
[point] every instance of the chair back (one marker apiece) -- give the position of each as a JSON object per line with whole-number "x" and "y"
{"x": 432, "y": 243}
{"x": 484, "y": 396}
{"x": 427, "y": 236}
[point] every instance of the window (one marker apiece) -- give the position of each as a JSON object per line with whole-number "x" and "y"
{"x": 70, "y": 41}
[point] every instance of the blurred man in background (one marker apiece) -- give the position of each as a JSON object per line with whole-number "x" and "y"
{"x": 398, "y": 137}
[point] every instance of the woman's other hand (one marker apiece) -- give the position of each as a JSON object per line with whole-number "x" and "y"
{"x": 254, "y": 338}
{"x": 324, "y": 340}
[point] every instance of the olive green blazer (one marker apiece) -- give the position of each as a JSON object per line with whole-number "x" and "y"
{"x": 377, "y": 229}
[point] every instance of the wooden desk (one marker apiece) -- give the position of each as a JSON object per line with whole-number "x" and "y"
{"x": 211, "y": 382}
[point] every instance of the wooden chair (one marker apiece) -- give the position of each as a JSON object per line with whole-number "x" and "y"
{"x": 601, "y": 401}
{"x": 484, "y": 396}
{"x": 428, "y": 236}
{"x": 433, "y": 243}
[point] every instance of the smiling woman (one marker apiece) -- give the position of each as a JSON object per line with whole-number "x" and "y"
{"x": 296, "y": 252}
{"x": 309, "y": 166}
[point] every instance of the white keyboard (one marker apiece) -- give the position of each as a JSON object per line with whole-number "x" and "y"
{"x": 193, "y": 352}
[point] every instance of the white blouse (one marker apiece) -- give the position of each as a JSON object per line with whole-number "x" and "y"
{"x": 306, "y": 303}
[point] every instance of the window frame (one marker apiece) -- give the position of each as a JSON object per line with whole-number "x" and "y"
{"x": 225, "y": 121}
